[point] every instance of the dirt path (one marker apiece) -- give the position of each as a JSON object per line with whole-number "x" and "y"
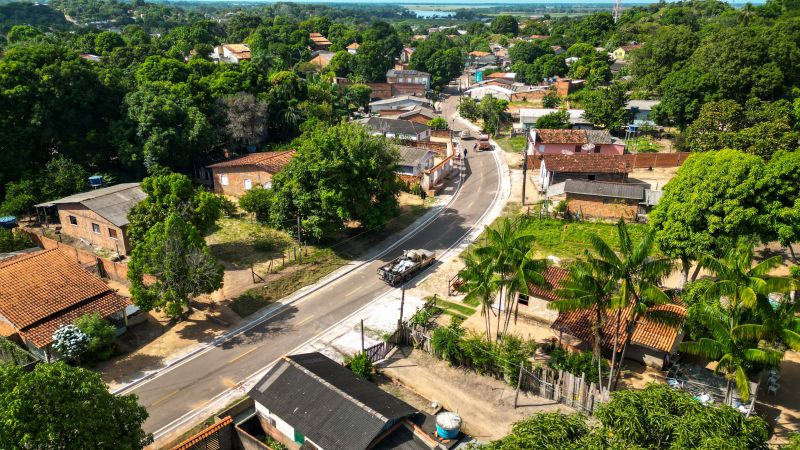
{"x": 485, "y": 404}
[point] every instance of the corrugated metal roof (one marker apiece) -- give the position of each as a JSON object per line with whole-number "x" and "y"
{"x": 411, "y": 156}
{"x": 601, "y": 189}
{"x": 395, "y": 126}
{"x": 327, "y": 403}
{"x": 399, "y": 98}
{"x": 651, "y": 197}
{"x": 112, "y": 203}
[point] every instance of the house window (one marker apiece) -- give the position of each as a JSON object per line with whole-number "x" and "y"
{"x": 112, "y": 233}
{"x": 223, "y": 180}
{"x": 268, "y": 185}
{"x": 592, "y": 177}
{"x": 523, "y": 299}
{"x": 247, "y": 184}
{"x": 96, "y": 228}
{"x": 73, "y": 220}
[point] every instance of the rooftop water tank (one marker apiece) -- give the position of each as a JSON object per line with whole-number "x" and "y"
{"x": 8, "y": 222}
{"x": 448, "y": 425}
{"x": 96, "y": 181}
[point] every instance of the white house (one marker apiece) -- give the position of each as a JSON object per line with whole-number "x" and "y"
{"x": 231, "y": 53}
{"x": 529, "y": 116}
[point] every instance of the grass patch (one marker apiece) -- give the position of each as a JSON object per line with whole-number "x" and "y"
{"x": 317, "y": 265}
{"x": 456, "y": 307}
{"x": 512, "y": 144}
{"x": 241, "y": 242}
{"x": 569, "y": 240}
{"x": 454, "y": 314}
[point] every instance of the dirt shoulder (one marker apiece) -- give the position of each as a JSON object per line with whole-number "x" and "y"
{"x": 486, "y": 405}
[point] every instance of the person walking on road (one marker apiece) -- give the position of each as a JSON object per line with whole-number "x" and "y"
{"x": 465, "y": 153}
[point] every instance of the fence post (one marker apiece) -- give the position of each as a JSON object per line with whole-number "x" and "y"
{"x": 362, "y": 335}
{"x": 519, "y": 383}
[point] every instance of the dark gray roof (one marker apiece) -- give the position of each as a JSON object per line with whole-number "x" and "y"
{"x": 402, "y": 438}
{"x": 411, "y": 156}
{"x": 652, "y": 197}
{"x": 327, "y": 403}
{"x": 601, "y": 189}
{"x": 426, "y": 112}
{"x": 401, "y": 98}
{"x": 395, "y": 126}
{"x": 112, "y": 203}
{"x": 598, "y": 137}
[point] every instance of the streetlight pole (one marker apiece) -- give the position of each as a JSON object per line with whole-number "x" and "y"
{"x": 524, "y": 173}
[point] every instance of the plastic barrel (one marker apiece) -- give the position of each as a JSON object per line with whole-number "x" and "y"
{"x": 448, "y": 425}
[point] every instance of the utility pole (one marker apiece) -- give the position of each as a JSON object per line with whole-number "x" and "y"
{"x": 524, "y": 172}
{"x": 402, "y": 302}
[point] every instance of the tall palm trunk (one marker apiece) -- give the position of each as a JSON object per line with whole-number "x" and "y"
{"x": 614, "y": 349}
{"x": 685, "y": 266}
{"x": 499, "y": 305}
{"x": 598, "y": 343}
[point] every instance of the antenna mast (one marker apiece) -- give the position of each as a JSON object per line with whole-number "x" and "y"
{"x": 617, "y": 10}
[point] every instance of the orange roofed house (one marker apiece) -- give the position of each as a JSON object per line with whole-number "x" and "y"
{"x": 231, "y": 53}
{"x": 42, "y": 291}
{"x": 651, "y": 342}
{"x": 320, "y": 41}
{"x": 239, "y": 175}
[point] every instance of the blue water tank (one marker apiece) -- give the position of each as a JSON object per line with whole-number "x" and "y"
{"x": 448, "y": 425}
{"x": 8, "y": 222}
{"x": 96, "y": 181}
{"x": 252, "y": 148}
{"x": 632, "y": 128}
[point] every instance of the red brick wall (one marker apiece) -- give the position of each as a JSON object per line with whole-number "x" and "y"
{"x": 527, "y": 96}
{"x": 407, "y": 89}
{"x": 439, "y": 147}
{"x": 380, "y": 90}
{"x": 592, "y": 207}
{"x": 83, "y": 230}
{"x": 236, "y": 177}
{"x": 440, "y": 134}
{"x": 113, "y": 270}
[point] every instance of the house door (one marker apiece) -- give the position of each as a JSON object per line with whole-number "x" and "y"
{"x": 247, "y": 184}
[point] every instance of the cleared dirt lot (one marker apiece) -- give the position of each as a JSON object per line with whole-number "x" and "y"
{"x": 486, "y": 405}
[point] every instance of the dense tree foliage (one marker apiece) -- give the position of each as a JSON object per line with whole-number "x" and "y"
{"x": 57, "y": 406}
{"x": 339, "y": 174}
{"x": 657, "y": 417}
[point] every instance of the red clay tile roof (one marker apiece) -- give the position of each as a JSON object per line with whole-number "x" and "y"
{"x": 41, "y": 333}
{"x": 43, "y": 290}
{"x": 647, "y": 332}
{"x": 478, "y": 53}
{"x": 272, "y": 162}
{"x": 553, "y": 275}
{"x": 546, "y": 136}
{"x": 319, "y": 39}
{"x": 354, "y": 46}
{"x": 204, "y": 434}
{"x": 588, "y": 163}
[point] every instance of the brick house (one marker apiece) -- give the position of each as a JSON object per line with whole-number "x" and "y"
{"x": 567, "y": 142}
{"x": 599, "y": 200}
{"x": 40, "y": 292}
{"x": 592, "y": 167}
{"x": 408, "y": 77}
{"x": 651, "y": 342}
{"x": 239, "y": 175}
{"x": 99, "y": 217}
{"x": 310, "y": 401}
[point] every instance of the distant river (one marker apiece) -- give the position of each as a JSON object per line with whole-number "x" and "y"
{"x": 424, "y": 14}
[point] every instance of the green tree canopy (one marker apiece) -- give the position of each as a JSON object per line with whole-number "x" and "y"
{"x": 168, "y": 194}
{"x": 711, "y": 201}
{"x": 174, "y": 254}
{"x": 339, "y": 174}
{"x": 605, "y": 107}
{"x": 505, "y": 24}
{"x": 57, "y": 406}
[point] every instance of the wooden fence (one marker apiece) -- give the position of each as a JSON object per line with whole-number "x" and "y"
{"x": 562, "y": 387}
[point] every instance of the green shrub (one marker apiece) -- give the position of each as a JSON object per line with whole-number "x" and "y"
{"x": 423, "y": 316}
{"x": 577, "y": 363}
{"x": 513, "y": 353}
{"x": 446, "y": 342}
{"x": 360, "y": 365}
{"x": 480, "y": 354}
{"x": 228, "y": 207}
{"x": 794, "y": 271}
{"x": 101, "y": 337}
{"x": 438, "y": 123}
{"x": 257, "y": 201}
{"x": 12, "y": 241}
{"x": 273, "y": 444}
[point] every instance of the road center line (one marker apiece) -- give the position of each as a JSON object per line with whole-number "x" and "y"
{"x": 164, "y": 398}
{"x": 243, "y": 355}
{"x": 304, "y": 321}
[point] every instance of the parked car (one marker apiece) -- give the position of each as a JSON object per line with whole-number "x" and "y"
{"x": 465, "y": 134}
{"x": 483, "y": 142}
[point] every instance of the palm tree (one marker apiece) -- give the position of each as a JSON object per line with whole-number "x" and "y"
{"x": 730, "y": 346}
{"x": 588, "y": 288}
{"x": 637, "y": 273}
{"x": 740, "y": 283}
{"x": 507, "y": 249}
{"x": 481, "y": 285}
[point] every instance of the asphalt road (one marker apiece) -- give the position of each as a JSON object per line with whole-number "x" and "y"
{"x": 192, "y": 384}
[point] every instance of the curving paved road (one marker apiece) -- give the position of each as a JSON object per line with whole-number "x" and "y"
{"x": 179, "y": 395}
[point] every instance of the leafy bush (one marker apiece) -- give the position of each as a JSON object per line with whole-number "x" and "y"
{"x": 257, "y": 201}
{"x": 423, "y": 316}
{"x": 273, "y": 444}
{"x": 11, "y": 241}
{"x": 101, "y": 337}
{"x": 228, "y": 207}
{"x": 446, "y": 342}
{"x": 360, "y": 365}
{"x": 70, "y": 341}
{"x": 480, "y": 354}
{"x": 513, "y": 353}
{"x": 794, "y": 271}
{"x": 438, "y": 123}
{"x": 412, "y": 188}
{"x": 577, "y": 363}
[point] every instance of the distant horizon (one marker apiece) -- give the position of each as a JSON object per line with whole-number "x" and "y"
{"x": 472, "y": 4}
